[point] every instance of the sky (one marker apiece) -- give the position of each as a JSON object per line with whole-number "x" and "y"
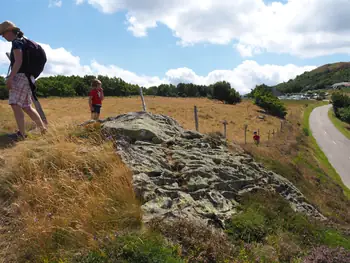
{"x": 150, "y": 42}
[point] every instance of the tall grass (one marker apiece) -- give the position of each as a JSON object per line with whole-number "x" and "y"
{"x": 60, "y": 192}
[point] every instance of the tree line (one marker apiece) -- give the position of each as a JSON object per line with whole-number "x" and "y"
{"x": 71, "y": 86}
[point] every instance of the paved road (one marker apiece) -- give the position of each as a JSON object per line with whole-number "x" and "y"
{"x": 332, "y": 142}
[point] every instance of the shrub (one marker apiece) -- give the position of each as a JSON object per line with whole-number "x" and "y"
{"x": 325, "y": 254}
{"x": 222, "y": 91}
{"x": 249, "y": 226}
{"x": 340, "y": 100}
{"x": 271, "y": 104}
{"x": 344, "y": 114}
{"x": 306, "y": 131}
{"x": 199, "y": 243}
{"x": 4, "y": 92}
{"x": 233, "y": 97}
{"x": 136, "y": 247}
{"x": 266, "y": 214}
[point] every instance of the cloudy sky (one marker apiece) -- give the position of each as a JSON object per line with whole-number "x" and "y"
{"x": 149, "y": 42}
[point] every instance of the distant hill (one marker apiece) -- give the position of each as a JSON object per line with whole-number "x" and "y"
{"x": 320, "y": 78}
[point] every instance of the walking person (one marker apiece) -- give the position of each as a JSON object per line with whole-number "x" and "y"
{"x": 256, "y": 138}
{"x": 18, "y": 82}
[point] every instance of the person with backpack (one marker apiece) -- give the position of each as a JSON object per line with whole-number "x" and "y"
{"x": 20, "y": 81}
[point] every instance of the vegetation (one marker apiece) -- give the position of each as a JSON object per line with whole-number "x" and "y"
{"x": 343, "y": 127}
{"x": 341, "y": 106}
{"x": 66, "y": 197}
{"x": 63, "y": 86}
{"x": 320, "y": 78}
{"x": 265, "y": 99}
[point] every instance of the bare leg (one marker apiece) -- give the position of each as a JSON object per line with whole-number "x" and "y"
{"x": 19, "y": 116}
{"x": 97, "y": 116}
{"x": 34, "y": 115}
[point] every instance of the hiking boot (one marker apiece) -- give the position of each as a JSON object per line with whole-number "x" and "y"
{"x": 18, "y": 136}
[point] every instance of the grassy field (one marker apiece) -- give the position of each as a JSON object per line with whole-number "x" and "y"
{"x": 63, "y": 111}
{"x": 67, "y": 193}
{"x": 343, "y": 127}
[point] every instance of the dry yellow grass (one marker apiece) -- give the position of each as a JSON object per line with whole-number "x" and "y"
{"x": 58, "y": 192}
{"x": 211, "y": 113}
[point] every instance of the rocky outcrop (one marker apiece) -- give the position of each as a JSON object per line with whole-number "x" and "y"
{"x": 182, "y": 173}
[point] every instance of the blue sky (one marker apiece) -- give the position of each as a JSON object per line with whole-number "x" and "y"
{"x": 97, "y": 30}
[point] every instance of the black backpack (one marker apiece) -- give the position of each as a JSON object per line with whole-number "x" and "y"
{"x": 33, "y": 63}
{"x": 34, "y": 58}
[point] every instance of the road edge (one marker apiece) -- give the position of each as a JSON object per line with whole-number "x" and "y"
{"x": 338, "y": 123}
{"x": 319, "y": 154}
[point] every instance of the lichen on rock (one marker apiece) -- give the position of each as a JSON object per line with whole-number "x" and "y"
{"x": 179, "y": 173}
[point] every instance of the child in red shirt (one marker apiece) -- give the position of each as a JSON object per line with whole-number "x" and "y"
{"x": 256, "y": 138}
{"x": 96, "y": 97}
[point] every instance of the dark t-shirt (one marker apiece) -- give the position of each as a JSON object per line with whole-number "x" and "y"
{"x": 18, "y": 43}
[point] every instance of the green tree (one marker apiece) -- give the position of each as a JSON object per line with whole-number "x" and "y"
{"x": 80, "y": 88}
{"x": 221, "y": 90}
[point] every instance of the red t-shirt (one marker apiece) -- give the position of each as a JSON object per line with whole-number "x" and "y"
{"x": 96, "y": 95}
{"x": 256, "y": 137}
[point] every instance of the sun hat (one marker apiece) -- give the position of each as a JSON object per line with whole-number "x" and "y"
{"x": 7, "y": 25}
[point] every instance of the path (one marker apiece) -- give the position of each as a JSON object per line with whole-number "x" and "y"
{"x": 332, "y": 142}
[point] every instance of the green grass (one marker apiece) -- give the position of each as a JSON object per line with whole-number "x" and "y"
{"x": 267, "y": 218}
{"x": 340, "y": 125}
{"x": 319, "y": 154}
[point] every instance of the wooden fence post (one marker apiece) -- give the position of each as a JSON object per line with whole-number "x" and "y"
{"x": 225, "y": 123}
{"x": 273, "y": 132}
{"x": 245, "y": 133}
{"x": 143, "y": 100}
{"x": 259, "y": 132}
{"x": 196, "y": 117}
{"x": 281, "y": 125}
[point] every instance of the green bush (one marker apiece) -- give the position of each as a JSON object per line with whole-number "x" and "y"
{"x": 306, "y": 131}
{"x": 271, "y": 104}
{"x": 233, "y": 97}
{"x": 4, "y": 92}
{"x": 140, "y": 248}
{"x": 340, "y": 100}
{"x": 222, "y": 91}
{"x": 344, "y": 114}
{"x": 249, "y": 226}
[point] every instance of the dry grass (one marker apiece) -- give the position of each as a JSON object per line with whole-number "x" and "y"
{"x": 57, "y": 193}
{"x": 211, "y": 113}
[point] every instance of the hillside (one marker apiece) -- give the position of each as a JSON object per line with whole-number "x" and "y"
{"x": 101, "y": 192}
{"x": 319, "y": 78}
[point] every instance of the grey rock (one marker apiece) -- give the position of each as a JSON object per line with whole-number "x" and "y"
{"x": 181, "y": 173}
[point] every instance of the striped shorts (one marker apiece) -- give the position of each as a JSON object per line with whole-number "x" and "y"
{"x": 20, "y": 93}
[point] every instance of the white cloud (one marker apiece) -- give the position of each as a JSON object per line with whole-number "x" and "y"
{"x": 243, "y": 78}
{"x": 55, "y": 3}
{"x": 305, "y": 28}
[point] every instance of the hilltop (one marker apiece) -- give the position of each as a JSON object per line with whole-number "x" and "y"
{"x": 319, "y": 78}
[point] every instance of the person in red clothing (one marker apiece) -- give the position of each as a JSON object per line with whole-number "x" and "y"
{"x": 96, "y": 97}
{"x": 256, "y": 138}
